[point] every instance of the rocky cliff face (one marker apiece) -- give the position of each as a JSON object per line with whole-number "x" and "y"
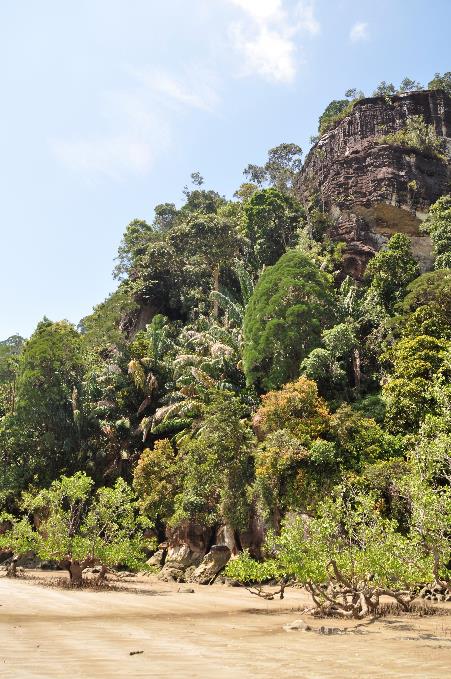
{"x": 370, "y": 189}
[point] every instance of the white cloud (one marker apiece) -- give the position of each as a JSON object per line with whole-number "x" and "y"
{"x": 306, "y": 18}
{"x": 197, "y": 88}
{"x": 267, "y": 39}
{"x": 109, "y": 156}
{"x": 260, "y": 10}
{"x": 359, "y": 32}
{"x": 137, "y": 124}
{"x": 268, "y": 54}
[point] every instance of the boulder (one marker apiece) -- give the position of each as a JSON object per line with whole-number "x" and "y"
{"x": 331, "y": 630}
{"x": 5, "y": 555}
{"x": 158, "y": 559}
{"x": 170, "y": 574}
{"x": 211, "y": 565}
{"x": 29, "y": 560}
{"x": 297, "y": 626}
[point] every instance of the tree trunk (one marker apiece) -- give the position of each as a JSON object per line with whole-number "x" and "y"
{"x": 102, "y": 574}
{"x": 356, "y": 369}
{"x": 75, "y": 569}
{"x": 11, "y": 571}
{"x": 75, "y": 574}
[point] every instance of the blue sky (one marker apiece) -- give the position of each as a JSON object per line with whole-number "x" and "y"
{"x": 107, "y": 106}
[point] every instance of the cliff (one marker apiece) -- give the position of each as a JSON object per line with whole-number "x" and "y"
{"x": 372, "y": 189}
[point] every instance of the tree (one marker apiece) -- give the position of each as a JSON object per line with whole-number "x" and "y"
{"x": 216, "y": 466}
{"x": 280, "y": 170}
{"x": 347, "y": 557}
{"x": 291, "y": 304}
{"x": 134, "y": 243}
{"x": 441, "y": 82}
{"x": 9, "y": 359}
{"x": 278, "y": 462}
{"x": 409, "y": 85}
{"x": 331, "y": 365}
{"x": 419, "y": 136}
{"x": 165, "y": 216}
{"x": 407, "y": 393}
{"x": 210, "y": 240}
{"x": 391, "y": 270}
{"x": 296, "y": 408}
{"x": 48, "y": 388}
{"x": 360, "y": 441}
{"x": 337, "y": 109}
{"x": 384, "y": 89}
{"x": 430, "y": 504}
{"x": 156, "y": 480}
{"x": 431, "y": 288}
{"x": 272, "y": 223}
{"x": 79, "y": 528}
{"x": 438, "y": 225}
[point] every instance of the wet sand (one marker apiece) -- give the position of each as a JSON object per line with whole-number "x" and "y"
{"x": 217, "y": 632}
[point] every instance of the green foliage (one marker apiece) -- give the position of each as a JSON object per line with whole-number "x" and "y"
{"x": 215, "y": 466}
{"x": 391, "y": 270}
{"x": 296, "y": 407}
{"x": 79, "y": 525}
{"x": 334, "y": 112}
{"x": 408, "y": 393}
{"x": 9, "y": 360}
{"x": 235, "y": 376}
{"x": 291, "y": 304}
{"x": 431, "y": 288}
{"x": 384, "y": 89}
{"x": 46, "y": 423}
{"x": 441, "y": 82}
{"x": 419, "y": 136}
{"x": 247, "y": 570}
{"x": 409, "y": 85}
{"x": 330, "y": 366}
{"x": 102, "y": 328}
{"x": 438, "y": 226}
{"x": 280, "y": 170}
{"x": 155, "y": 480}
{"x": 272, "y": 222}
{"x": 135, "y": 241}
{"x": 351, "y": 547}
{"x": 360, "y": 440}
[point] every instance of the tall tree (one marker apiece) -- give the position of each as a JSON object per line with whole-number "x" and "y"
{"x": 272, "y": 223}
{"x": 48, "y": 386}
{"x": 291, "y": 304}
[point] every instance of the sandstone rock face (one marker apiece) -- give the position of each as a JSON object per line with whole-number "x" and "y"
{"x": 211, "y": 565}
{"x": 373, "y": 190}
{"x": 158, "y": 558}
{"x": 187, "y": 546}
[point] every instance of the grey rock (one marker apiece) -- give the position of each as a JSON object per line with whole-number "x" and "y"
{"x": 170, "y": 574}
{"x": 330, "y": 630}
{"x": 297, "y": 626}
{"x": 158, "y": 558}
{"x": 211, "y": 565}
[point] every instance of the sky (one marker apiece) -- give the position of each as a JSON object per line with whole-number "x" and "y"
{"x": 108, "y": 106}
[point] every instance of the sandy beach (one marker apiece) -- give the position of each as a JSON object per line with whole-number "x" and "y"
{"x": 217, "y": 631}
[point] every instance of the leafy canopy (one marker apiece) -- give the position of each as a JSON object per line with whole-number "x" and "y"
{"x": 291, "y": 304}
